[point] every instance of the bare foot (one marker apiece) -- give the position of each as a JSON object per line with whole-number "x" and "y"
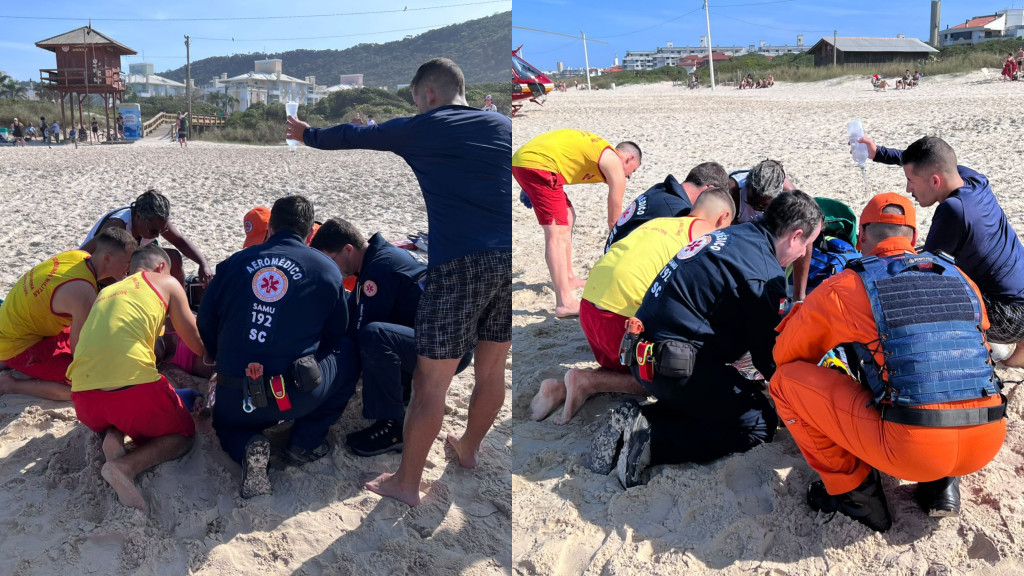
{"x": 576, "y": 393}
{"x": 386, "y": 485}
{"x": 467, "y": 458}
{"x": 123, "y": 485}
{"x": 570, "y": 311}
{"x": 550, "y": 395}
{"x": 113, "y": 444}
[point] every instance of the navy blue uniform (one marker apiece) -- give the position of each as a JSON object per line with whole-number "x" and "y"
{"x": 665, "y": 200}
{"x": 722, "y": 293}
{"x": 972, "y": 227}
{"x": 453, "y": 150}
{"x": 272, "y": 304}
{"x": 389, "y": 286}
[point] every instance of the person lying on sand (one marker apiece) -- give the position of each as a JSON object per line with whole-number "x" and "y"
{"x": 613, "y": 292}
{"x": 115, "y": 386}
{"x": 42, "y": 317}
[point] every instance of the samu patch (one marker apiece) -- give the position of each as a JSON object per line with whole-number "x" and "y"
{"x": 370, "y": 288}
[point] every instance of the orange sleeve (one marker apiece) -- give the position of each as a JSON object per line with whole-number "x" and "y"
{"x": 836, "y": 312}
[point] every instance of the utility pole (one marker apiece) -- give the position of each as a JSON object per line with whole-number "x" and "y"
{"x": 188, "y": 84}
{"x": 835, "y": 49}
{"x": 586, "y": 60}
{"x": 711, "y": 53}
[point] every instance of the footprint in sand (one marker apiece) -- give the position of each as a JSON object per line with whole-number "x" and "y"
{"x": 753, "y": 493}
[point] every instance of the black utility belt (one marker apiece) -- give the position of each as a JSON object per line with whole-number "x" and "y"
{"x": 944, "y": 418}
{"x": 303, "y": 374}
{"x": 672, "y": 359}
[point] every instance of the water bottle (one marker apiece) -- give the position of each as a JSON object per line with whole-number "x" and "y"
{"x": 860, "y": 150}
{"x": 292, "y": 109}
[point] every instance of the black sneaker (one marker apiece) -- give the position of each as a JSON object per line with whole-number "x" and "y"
{"x": 607, "y": 443}
{"x": 865, "y": 503}
{"x": 941, "y": 498}
{"x": 635, "y": 456}
{"x": 255, "y": 481}
{"x": 383, "y": 436}
{"x": 298, "y": 456}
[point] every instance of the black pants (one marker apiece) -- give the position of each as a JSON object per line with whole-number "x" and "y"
{"x": 713, "y": 413}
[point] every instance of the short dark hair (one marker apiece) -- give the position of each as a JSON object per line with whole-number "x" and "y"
{"x": 113, "y": 239}
{"x": 148, "y": 257}
{"x": 631, "y": 147}
{"x": 443, "y": 75}
{"x": 335, "y": 234}
{"x": 152, "y": 204}
{"x": 709, "y": 174}
{"x": 293, "y": 213}
{"x": 931, "y": 154}
{"x": 792, "y": 210}
{"x": 716, "y": 194}
{"x": 878, "y": 231}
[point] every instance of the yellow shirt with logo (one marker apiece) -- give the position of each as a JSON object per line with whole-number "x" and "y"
{"x": 116, "y": 345}
{"x": 619, "y": 280}
{"x": 572, "y": 153}
{"x": 27, "y": 316}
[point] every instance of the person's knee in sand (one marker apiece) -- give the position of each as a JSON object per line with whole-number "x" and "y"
{"x": 116, "y": 388}
{"x": 616, "y": 287}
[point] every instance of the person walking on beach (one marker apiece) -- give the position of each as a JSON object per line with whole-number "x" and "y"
{"x": 970, "y": 225}
{"x": 182, "y": 131}
{"x": 552, "y": 160}
{"x": 18, "y": 132}
{"x": 115, "y": 386}
{"x": 95, "y": 131}
{"x": 460, "y": 156}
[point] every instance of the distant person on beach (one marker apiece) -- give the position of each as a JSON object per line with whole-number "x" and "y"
{"x": 489, "y": 104}
{"x": 552, "y": 160}
{"x": 274, "y": 320}
{"x": 55, "y": 132}
{"x": 18, "y": 132}
{"x": 668, "y": 199}
{"x": 95, "y": 131}
{"x": 718, "y": 298}
{"x": 370, "y": 121}
{"x": 970, "y": 225}
{"x": 146, "y": 219}
{"x": 42, "y": 317}
{"x": 358, "y": 120}
{"x": 120, "y": 125}
{"x": 73, "y": 136}
{"x": 1009, "y": 68}
{"x": 30, "y": 132}
{"x": 43, "y": 129}
{"x": 910, "y": 410}
{"x": 615, "y": 288}
{"x": 115, "y": 386}
{"x": 182, "y": 131}
{"x": 460, "y": 156}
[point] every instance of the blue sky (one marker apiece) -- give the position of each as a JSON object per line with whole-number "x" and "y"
{"x": 647, "y": 24}
{"x": 147, "y": 26}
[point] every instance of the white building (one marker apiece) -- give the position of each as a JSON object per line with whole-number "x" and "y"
{"x": 145, "y": 84}
{"x": 670, "y": 55}
{"x": 266, "y": 83}
{"x": 1002, "y": 24}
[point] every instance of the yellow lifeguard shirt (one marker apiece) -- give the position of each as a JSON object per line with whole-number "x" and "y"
{"x": 116, "y": 345}
{"x": 26, "y": 316}
{"x": 619, "y": 280}
{"x": 572, "y": 153}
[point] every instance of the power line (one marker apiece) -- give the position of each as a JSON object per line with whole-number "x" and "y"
{"x": 754, "y": 3}
{"x": 405, "y": 9}
{"x": 318, "y": 37}
{"x": 655, "y": 26}
{"x": 804, "y": 30}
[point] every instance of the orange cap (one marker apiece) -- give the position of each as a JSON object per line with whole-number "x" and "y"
{"x": 312, "y": 232}
{"x": 256, "y": 222}
{"x": 872, "y": 213}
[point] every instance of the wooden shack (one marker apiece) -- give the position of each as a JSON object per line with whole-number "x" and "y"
{"x": 88, "y": 63}
{"x": 869, "y": 51}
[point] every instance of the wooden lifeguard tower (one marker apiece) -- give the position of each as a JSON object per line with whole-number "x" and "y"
{"x": 88, "y": 63}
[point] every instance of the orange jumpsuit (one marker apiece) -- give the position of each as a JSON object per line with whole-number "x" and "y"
{"x": 828, "y": 413}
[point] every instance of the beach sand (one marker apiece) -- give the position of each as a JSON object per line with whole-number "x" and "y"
{"x": 745, "y": 514}
{"x": 60, "y": 517}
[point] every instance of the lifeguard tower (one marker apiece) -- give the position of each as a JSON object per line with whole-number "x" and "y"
{"x": 88, "y": 63}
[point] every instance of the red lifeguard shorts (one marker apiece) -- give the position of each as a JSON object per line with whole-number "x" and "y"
{"x": 47, "y": 359}
{"x": 142, "y": 411}
{"x": 545, "y": 191}
{"x": 604, "y": 331}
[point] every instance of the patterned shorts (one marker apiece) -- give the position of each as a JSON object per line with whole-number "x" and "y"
{"x": 466, "y": 300}
{"x": 1006, "y": 322}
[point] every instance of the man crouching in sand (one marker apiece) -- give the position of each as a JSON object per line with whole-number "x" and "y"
{"x": 115, "y": 386}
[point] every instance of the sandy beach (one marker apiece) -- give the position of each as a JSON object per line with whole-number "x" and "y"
{"x": 60, "y": 517}
{"x": 746, "y": 514}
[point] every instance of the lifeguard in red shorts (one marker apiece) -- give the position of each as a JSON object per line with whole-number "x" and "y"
{"x": 614, "y": 290}
{"x": 542, "y": 167}
{"x": 927, "y": 407}
{"x": 115, "y": 385}
{"x": 43, "y": 314}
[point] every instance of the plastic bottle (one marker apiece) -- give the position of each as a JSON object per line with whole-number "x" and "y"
{"x": 860, "y": 150}
{"x": 292, "y": 109}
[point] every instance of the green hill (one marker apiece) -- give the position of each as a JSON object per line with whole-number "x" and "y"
{"x": 479, "y": 47}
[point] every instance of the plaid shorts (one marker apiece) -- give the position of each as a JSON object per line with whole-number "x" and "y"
{"x": 465, "y": 300}
{"x": 1006, "y": 322}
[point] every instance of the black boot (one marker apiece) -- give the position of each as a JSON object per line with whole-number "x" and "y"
{"x": 865, "y": 503}
{"x": 941, "y": 498}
